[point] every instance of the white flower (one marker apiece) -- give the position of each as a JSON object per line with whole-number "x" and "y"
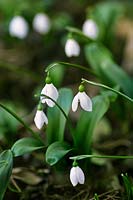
{"x": 72, "y": 48}
{"x": 84, "y": 100}
{"x": 50, "y": 91}
{"x": 41, "y": 23}
{"x": 77, "y": 176}
{"x": 18, "y": 27}
{"x": 90, "y": 29}
{"x": 40, "y": 119}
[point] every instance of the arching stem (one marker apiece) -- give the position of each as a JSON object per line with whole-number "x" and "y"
{"x": 107, "y": 87}
{"x": 34, "y": 134}
{"x": 100, "y": 156}
{"x": 66, "y": 64}
{"x": 60, "y": 108}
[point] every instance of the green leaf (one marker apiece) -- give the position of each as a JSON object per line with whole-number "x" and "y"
{"x": 26, "y": 145}
{"x": 128, "y": 186}
{"x": 8, "y": 124}
{"x": 57, "y": 121}
{"x": 57, "y": 74}
{"x": 108, "y": 71}
{"x": 6, "y": 160}
{"x": 57, "y": 151}
{"x": 88, "y": 122}
{"x": 107, "y": 12}
{"x": 106, "y": 15}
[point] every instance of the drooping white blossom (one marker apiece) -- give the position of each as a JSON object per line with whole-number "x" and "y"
{"x": 41, "y": 23}
{"x": 90, "y": 29}
{"x": 77, "y": 176}
{"x": 72, "y": 48}
{"x": 50, "y": 91}
{"x": 84, "y": 100}
{"x": 40, "y": 119}
{"x": 18, "y": 27}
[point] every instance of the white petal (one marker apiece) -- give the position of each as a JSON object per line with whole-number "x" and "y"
{"x": 18, "y": 27}
{"x": 75, "y": 102}
{"x": 44, "y": 91}
{"x": 72, "y": 48}
{"x": 90, "y": 29}
{"x": 85, "y": 101}
{"x": 73, "y": 176}
{"x": 40, "y": 119}
{"x": 51, "y": 91}
{"x": 80, "y": 175}
{"x": 41, "y": 23}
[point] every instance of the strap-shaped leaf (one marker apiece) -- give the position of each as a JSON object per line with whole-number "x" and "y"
{"x": 57, "y": 151}
{"x": 26, "y": 145}
{"x": 109, "y": 72}
{"x": 6, "y": 164}
{"x": 57, "y": 121}
{"x": 88, "y": 122}
{"x": 128, "y": 186}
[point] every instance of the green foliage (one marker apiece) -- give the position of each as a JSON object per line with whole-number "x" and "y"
{"x": 107, "y": 70}
{"x": 37, "y": 49}
{"x": 6, "y": 164}
{"x": 8, "y": 124}
{"x": 88, "y": 121}
{"x": 16, "y": 7}
{"x": 128, "y": 187}
{"x": 57, "y": 151}
{"x": 57, "y": 121}
{"x": 106, "y": 13}
{"x": 26, "y": 145}
{"x": 57, "y": 74}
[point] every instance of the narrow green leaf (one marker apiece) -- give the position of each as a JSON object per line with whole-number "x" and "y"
{"x": 57, "y": 151}
{"x": 57, "y": 121}
{"x": 109, "y": 72}
{"x": 88, "y": 121}
{"x": 26, "y": 145}
{"x": 128, "y": 186}
{"x": 6, "y": 159}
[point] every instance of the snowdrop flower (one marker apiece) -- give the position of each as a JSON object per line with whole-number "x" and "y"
{"x": 50, "y": 91}
{"x": 18, "y": 27}
{"x": 41, "y": 23}
{"x": 40, "y": 117}
{"x": 83, "y": 99}
{"x": 72, "y": 48}
{"x": 90, "y": 29}
{"x": 76, "y": 175}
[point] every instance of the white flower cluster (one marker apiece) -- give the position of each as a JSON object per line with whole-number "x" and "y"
{"x": 19, "y": 27}
{"x": 49, "y": 95}
{"x": 48, "y": 92}
{"x": 90, "y": 29}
